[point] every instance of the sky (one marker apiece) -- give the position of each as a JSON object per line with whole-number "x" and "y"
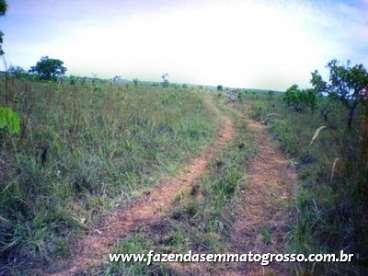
{"x": 266, "y": 44}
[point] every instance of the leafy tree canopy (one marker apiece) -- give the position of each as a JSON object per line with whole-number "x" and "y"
{"x": 165, "y": 80}
{"x": 17, "y": 71}
{"x": 345, "y": 83}
{"x": 3, "y": 7}
{"x": 49, "y": 68}
{"x": 299, "y": 99}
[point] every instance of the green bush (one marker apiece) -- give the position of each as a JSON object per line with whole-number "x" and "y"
{"x": 9, "y": 120}
{"x": 300, "y": 99}
{"x": 330, "y": 205}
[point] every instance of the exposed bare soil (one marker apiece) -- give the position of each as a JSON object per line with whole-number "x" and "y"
{"x": 264, "y": 207}
{"x": 94, "y": 248}
{"x": 263, "y": 217}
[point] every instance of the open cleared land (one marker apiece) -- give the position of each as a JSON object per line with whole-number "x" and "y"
{"x": 161, "y": 176}
{"x": 85, "y": 149}
{"x": 101, "y": 167}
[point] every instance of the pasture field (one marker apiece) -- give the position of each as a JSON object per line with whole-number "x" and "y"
{"x": 83, "y": 149}
{"x": 184, "y": 168}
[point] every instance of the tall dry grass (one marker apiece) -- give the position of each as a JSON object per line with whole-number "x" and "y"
{"x": 84, "y": 148}
{"x": 331, "y": 201}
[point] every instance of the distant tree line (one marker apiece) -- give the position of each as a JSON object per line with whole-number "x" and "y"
{"x": 45, "y": 69}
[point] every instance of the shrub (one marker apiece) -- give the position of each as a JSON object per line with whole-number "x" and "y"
{"x": 300, "y": 99}
{"x": 9, "y": 120}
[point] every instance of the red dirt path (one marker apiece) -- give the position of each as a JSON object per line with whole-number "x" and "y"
{"x": 94, "y": 248}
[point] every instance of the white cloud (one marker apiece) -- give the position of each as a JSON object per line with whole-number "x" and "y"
{"x": 259, "y": 44}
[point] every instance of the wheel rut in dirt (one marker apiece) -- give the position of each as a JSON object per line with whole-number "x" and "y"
{"x": 264, "y": 214}
{"x": 149, "y": 209}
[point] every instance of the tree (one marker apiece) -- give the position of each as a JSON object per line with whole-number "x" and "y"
{"x": 135, "y": 82}
{"x": 73, "y": 80}
{"x": 17, "y": 71}
{"x": 270, "y": 94}
{"x": 220, "y": 88}
{"x": 49, "y": 68}
{"x": 117, "y": 79}
{"x": 300, "y": 99}
{"x": 290, "y": 94}
{"x": 3, "y": 8}
{"x": 345, "y": 84}
{"x": 364, "y": 152}
{"x": 165, "y": 80}
{"x": 9, "y": 119}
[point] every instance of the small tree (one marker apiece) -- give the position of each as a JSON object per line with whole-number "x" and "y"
{"x": 270, "y": 94}
{"x": 117, "y": 79}
{"x": 300, "y": 99}
{"x": 364, "y": 153}
{"x": 49, "y": 69}
{"x": 345, "y": 84}
{"x": 310, "y": 98}
{"x": 165, "y": 80}
{"x": 1, "y": 43}
{"x": 290, "y": 94}
{"x": 72, "y": 80}
{"x": 135, "y": 82}
{"x": 220, "y": 88}
{"x": 17, "y": 71}
{"x": 9, "y": 120}
{"x": 3, "y": 8}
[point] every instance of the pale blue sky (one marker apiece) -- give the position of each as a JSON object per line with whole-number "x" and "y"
{"x": 244, "y": 43}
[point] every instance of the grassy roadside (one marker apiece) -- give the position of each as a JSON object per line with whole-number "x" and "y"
{"x": 201, "y": 217}
{"x": 328, "y": 202}
{"x": 84, "y": 148}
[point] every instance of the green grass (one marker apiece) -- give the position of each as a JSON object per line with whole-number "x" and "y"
{"x": 202, "y": 217}
{"x": 328, "y": 212}
{"x": 83, "y": 149}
